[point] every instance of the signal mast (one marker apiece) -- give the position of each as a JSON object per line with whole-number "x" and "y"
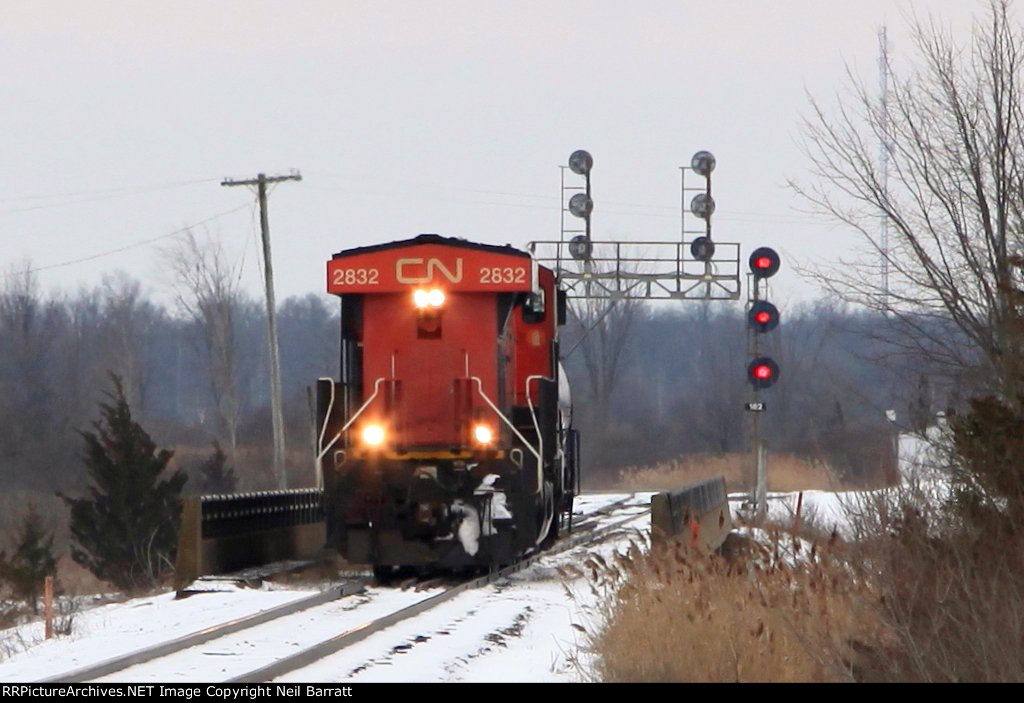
{"x": 762, "y": 371}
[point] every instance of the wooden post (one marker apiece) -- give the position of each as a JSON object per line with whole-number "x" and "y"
{"x": 48, "y": 605}
{"x": 189, "y": 564}
{"x": 796, "y": 516}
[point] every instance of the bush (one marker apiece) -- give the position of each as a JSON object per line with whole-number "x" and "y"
{"x": 32, "y": 561}
{"x": 214, "y": 476}
{"x": 126, "y": 530}
{"x": 952, "y": 570}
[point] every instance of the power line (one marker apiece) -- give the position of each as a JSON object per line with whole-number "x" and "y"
{"x": 245, "y": 249}
{"x": 110, "y": 191}
{"x": 111, "y": 195}
{"x": 670, "y": 212}
{"x": 127, "y": 247}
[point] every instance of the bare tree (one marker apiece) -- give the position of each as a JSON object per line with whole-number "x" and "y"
{"x": 953, "y": 127}
{"x": 126, "y": 318}
{"x": 604, "y": 327}
{"x": 207, "y": 291}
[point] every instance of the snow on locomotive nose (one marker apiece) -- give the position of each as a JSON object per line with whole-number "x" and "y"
{"x": 443, "y": 442}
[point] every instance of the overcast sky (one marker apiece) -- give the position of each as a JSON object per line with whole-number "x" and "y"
{"x": 119, "y": 118}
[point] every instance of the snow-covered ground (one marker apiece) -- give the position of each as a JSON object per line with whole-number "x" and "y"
{"x": 519, "y": 629}
{"x": 525, "y": 628}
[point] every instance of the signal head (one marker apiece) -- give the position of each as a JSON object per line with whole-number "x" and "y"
{"x": 702, "y": 249}
{"x": 580, "y": 161}
{"x": 764, "y": 262}
{"x": 763, "y": 316}
{"x": 702, "y": 205}
{"x": 580, "y": 248}
{"x": 703, "y": 163}
{"x": 581, "y": 205}
{"x": 762, "y": 372}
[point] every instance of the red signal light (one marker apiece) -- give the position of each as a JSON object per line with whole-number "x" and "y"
{"x": 762, "y": 372}
{"x": 764, "y": 262}
{"x": 763, "y": 316}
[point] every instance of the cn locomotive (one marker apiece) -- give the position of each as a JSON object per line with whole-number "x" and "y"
{"x": 447, "y": 441}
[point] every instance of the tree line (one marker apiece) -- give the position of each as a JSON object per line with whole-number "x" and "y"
{"x": 57, "y": 351}
{"x": 649, "y": 383}
{"x": 676, "y": 384}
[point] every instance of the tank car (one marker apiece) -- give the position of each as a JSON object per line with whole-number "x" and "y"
{"x": 447, "y": 441}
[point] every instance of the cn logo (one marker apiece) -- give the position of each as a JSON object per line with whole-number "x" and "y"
{"x": 424, "y": 271}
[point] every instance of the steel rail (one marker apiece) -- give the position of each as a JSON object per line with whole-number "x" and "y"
{"x": 111, "y": 666}
{"x": 326, "y": 648}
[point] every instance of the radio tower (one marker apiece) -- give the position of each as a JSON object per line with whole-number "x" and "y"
{"x": 883, "y": 157}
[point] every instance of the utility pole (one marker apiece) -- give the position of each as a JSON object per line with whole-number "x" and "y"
{"x": 277, "y": 415}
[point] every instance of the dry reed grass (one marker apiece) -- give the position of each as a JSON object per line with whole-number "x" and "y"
{"x": 786, "y": 472}
{"x": 674, "y": 615}
{"x": 931, "y": 588}
{"x": 951, "y": 583}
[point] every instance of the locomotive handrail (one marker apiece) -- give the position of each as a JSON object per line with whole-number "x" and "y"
{"x": 540, "y": 443}
{"x": 323, "y": 431}
{"x": 324, "y": 450}
{"x": 533, "y": 413}
{"x": 540, "y": 463}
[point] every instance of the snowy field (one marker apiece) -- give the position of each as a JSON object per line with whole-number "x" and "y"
{"x": 520, "y": 629}
{"x": 525, "y": 628}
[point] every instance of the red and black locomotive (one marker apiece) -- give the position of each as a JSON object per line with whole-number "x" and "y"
{"x": 447, "y": 440}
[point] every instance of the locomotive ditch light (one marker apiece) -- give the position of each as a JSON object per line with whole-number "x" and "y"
{"x": 764, "y": 262}
{"x": 702, "y": 249}
{"x": 702, "y": 205}
{"x": 580, "y": 162}
{"x": 425, "y": 299}
{"x": 373, "y": 435}
{"x": 762, "y": 372}
{"x": 482, "y": 434}
{"x": 581, "y": 205}
{"x": 703, "y": 163}
{"x": 763, "y": 316}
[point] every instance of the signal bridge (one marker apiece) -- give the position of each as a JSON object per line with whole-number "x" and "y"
{"x": 646, "y": 270}
{"x": 694, "y": 269}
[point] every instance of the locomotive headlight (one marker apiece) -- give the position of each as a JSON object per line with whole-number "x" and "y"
{"x": 483, "y": 434}
{"x": 425, "y": 299}
{"x": 373, "y": 435}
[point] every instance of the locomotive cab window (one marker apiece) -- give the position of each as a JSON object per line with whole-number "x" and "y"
{"x": 533, "y": 308}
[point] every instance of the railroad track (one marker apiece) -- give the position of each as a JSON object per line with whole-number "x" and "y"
{"x": 203, "y": 636}
{"x": 398, "y": 605}
{"x": 352, "y": 636}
